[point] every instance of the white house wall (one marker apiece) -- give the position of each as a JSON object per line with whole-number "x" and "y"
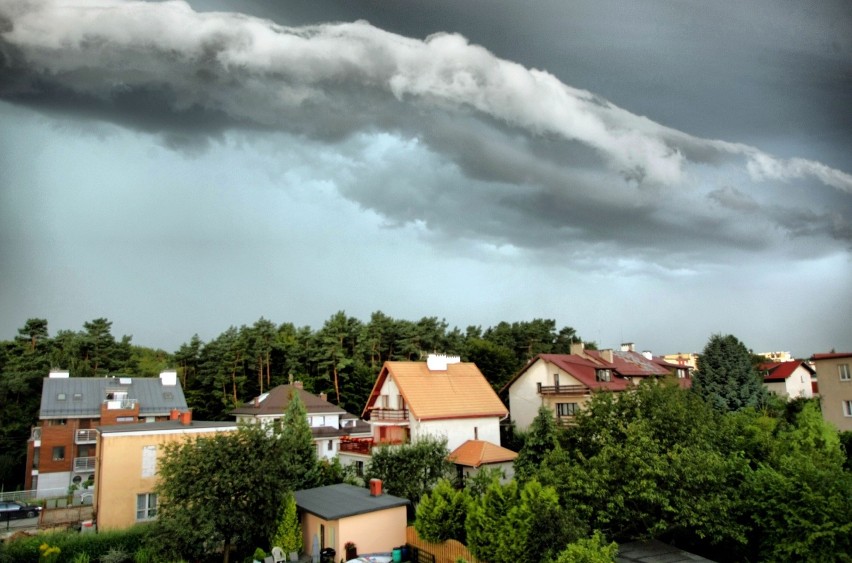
{"x": 524, "y": 399}
{"x": 390, "y": 389}
{"x": 797, "y": 385}
{"x": 458, "y": 430}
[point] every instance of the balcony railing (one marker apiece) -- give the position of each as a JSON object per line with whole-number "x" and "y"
{"x": 356, "y": 445}
{"x": 84, "y": 464}
{"x": 86, "y": 436}
{"x": 389, "y": 415}
{"x": 562, "y": 389}
{"x": 565, "y": 421}
{"x": 121, "y": 404}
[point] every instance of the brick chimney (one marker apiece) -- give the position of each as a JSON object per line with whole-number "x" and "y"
{"x": 186, "y": 418}
{"x": 375, "y": 487}
{"x": 174, "y": 414}
{"x": 323, "y": 396}
{"x": 577, "y": 348}
{"x": 607, "y": 354}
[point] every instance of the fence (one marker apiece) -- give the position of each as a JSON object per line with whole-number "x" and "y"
{"x": 448, "y": 552}
{"x": 32, "y": 494}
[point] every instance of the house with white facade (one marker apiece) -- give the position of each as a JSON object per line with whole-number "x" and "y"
{"x": 564, "y": 383}
{"x": 441, "y": 397}
{"x": 329, "y": 423}
{"x": 791, "y": 380}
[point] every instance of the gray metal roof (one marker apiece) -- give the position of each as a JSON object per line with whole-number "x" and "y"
{"x": 83, "y": 396}
{"x": 339, "y": 501}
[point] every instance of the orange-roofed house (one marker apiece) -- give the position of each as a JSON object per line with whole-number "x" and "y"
{"x": 441, "y": 397}
{"x": 476, "y": 455}
{"x": 791, "y": 380}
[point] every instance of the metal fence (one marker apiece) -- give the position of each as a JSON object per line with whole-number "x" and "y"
{"x": 32, "y": 494}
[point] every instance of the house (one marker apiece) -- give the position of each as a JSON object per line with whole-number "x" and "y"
{"x": 788, "y": 379}
{"x": 126, "y": 473}
{"x": 476, "y": 455}
{"x": 564, "y": 383}
{"x": 441, "y": 397}
{"x": 329, "y": 423}
{"x": 61, "y": 449}
{"x": 334, "y": 515}
{"x": 835, "y": 387}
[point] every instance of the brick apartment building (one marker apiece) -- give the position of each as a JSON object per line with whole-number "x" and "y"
{"x": 61, "y": 449}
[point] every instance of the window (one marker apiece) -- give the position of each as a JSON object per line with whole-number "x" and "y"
{"x": 847, "y": 408}
{"x": 58, "y": 453}
{"x": 359, "y": 468}
{"x": 476, "y": 433}
{"x": 57, "y": 422}
{"x": 330, "y": 445}
{"x": 566, "y": 409}
{"x": 125, "y": 419}
{"x": 60, "y": 397}
{"x": 603, "y": 375}
{"x": 78, "y": 396}
{"x": 149, "y": 461}
{"x": 146, "y": 506}
{"x": 843, "y": 370}
{"x": 168, "y": 395}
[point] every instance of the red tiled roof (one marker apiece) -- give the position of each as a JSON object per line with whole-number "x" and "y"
{"x": 585, "y": 370}
{"x": 474, "y": 453}
{"x": 631, "y": 364}
{"x": 831, "y": 355}
{"x": 779, "y": 371}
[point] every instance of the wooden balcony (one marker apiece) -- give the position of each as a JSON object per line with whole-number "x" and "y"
{"x": 565, "y": 421}
{"x": 86, "y": 436}
{"x": 357, "y": 445}
{"x": 388, "y": 415}
{"x": 562, "y": 389}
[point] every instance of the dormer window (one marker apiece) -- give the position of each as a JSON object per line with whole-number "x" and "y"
{"x": 78, "y": 396}
{"x": 603, "y": 375}
{"x": 60, "y": 397}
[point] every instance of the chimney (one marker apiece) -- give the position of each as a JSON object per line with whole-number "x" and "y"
{"x": 648, "y": 355}
{"x": 174, "y": 414}
{"x": 375, "y": 487}
{"x": 298, "y": 385}
{"x": 58, "y": 374}
{"x": 627, "y": 347}
{"x": 607, "y": 354}
{"x": 439, "y": 362}
{"x": 186, "y": 418}
{"x": 168, "y": 378}
{"x": 323, "y": 396}
{"x": 577, "y": 348}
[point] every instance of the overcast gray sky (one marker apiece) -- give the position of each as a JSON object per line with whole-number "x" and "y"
{"x": 653, "y": 172}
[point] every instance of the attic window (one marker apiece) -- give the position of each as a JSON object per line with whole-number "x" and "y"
{"x": 78, "y": 396}
{"x": 168, "y": 395}
{"x": 603, "y": 375}
{"x": 60, "y": 397}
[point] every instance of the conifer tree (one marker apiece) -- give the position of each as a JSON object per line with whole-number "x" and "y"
{"x": 726, "y": 377}
{"x": 288, "y": 536}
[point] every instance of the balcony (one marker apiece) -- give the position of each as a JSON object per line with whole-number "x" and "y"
{"x": 120, "y": 404}
{"x": 562, "y": 389}
{"x": 85, "y": 436}
{"x": 357, "y": 445}
{"x": 565, "y": 421}
{"x": 389, "y": 415}
{"x": 84, "y": 464}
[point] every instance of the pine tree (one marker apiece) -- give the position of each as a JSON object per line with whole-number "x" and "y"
{"x": 540, "y": 441}
{"x": 726, "y": 377}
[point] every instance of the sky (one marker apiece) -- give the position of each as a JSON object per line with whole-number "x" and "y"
{"x": 652, "y": 172}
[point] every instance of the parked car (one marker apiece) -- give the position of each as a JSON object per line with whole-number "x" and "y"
{"x": 12, "y": 509}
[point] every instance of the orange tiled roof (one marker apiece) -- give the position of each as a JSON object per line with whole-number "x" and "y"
{"x": 474, "y": 453}
{"x": 459, "y": 392}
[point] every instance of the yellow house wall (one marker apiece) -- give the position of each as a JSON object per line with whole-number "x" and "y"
{"x": 374, "y": 532}
{"x": 833, "y": 391}
{"x": 119, "y": 475}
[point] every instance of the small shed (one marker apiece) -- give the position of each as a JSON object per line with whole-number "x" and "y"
{"x": 334, "y": 515}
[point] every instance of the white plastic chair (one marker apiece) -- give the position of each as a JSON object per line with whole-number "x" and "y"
{"x": 278, "y": 555}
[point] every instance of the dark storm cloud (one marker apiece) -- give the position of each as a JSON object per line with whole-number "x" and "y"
{"x": 526, "y": 159}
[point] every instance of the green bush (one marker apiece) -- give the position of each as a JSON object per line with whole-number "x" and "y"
{"x": 74, "y": 545}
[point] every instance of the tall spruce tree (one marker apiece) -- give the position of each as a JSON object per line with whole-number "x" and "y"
{"x": 726, "y": 377}
{"x": 540, "y": 441}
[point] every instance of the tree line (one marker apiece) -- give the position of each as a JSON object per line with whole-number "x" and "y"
{"x": 341, "y": 359}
